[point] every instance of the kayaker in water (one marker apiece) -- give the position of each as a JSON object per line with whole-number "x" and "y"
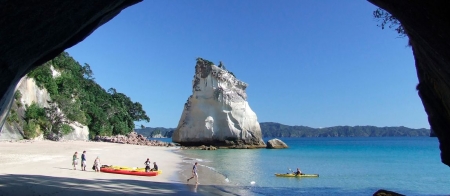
{"x": 155, "y": 167}
{"x": 147, "y": 165}
{"x": 298, "y": 172}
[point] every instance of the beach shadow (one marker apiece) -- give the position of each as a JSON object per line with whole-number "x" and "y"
{"x": 193, "y": 187}
{"x": 15, "y": 184}
{"x": 12, "y": 184}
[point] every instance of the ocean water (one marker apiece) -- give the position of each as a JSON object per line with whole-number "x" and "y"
{"x": 356, "y": 166}
{"x": 162, "y": 139}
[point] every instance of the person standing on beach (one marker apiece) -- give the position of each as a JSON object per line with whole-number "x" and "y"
{"x": 83, "y": 161}
{"x": 75, "y": 160}
{"x": 194, "y": 173}
{"x": 147, "y": 165}
{"x": 97, "y": 164}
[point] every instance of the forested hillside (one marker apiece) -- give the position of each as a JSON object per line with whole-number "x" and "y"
{"x": 73, "y": 90}
{"x": 271, "y": 129}
{"x": 151, "y": 132}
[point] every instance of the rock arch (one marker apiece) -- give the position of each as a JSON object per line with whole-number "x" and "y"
{"x": 33, "y": 32}
{"x": 36, "y": 31}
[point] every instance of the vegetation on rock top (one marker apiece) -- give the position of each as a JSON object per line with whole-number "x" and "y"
{"x": 202, "y": 61}
{"x": 74, "y": 91}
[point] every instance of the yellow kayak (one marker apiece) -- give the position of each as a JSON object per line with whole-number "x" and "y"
{"x": 131, "y": 168}
{"x": 298, "y": 176}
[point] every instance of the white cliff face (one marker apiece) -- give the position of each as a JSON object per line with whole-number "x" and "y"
{"x": 217, "y": 112}
{"x": 32, "y": 93}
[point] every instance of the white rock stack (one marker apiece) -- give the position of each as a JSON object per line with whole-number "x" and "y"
{"x": 217, "y": 113}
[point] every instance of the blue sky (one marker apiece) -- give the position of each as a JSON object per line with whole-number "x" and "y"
{"x": 313, "y": 63}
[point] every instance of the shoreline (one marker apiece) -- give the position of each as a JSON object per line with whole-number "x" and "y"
{"x": 207, "y": 176}
{"x": 44, "y": 168}
{"x": 211, "y": 181}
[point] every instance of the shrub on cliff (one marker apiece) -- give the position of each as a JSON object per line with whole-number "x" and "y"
{"x": 35, "y": 121}
{"x": 73, "y": 89}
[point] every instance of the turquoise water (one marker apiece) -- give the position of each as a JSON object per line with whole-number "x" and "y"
{"x": 162, "y": 139}
{"x": 358, "y": 166}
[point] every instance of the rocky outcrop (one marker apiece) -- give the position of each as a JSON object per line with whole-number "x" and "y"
{"x": 132, "y": 138}
{"x": 276, "y": 144}
{"x": 80, "y": 132}
{"x": 382, "y": 192}
{"x": 217, "y": 113}
{"x": 202, "y": 147}
{"x": 427, "y": 25}
{"x": 31, "y": 93}
{"x": 33, "y": 32}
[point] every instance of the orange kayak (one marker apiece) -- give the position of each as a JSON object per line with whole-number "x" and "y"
{"x": 128, "y": 172}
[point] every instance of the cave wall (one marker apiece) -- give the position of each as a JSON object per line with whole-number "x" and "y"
{"x": 427, "y": 24}
{"x": 33, "y": 32}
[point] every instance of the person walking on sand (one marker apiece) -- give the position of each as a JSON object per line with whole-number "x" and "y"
{"x": 97, "y": 164}
{"x": 83, "y": 161}
{"x": 75, "y": 160}
{"x": 194, "y": 173}
{"x": 147, "y": 165}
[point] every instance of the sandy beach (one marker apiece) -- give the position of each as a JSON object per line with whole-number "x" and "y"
{"x": 44, "y": 168}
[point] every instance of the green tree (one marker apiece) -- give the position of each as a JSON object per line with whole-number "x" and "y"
{"x": 59, "y": 124}
{"x": 74, "y": 91}
{"x": 17, "y": 97}
{"x": 35, "y": 121}
{"x": 12, "y": 117}
{"x": 44, "y": 79}
{"x": 87, "y": 72}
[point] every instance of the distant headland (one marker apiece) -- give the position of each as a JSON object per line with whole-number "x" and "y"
{"x": 273, "y": 129}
